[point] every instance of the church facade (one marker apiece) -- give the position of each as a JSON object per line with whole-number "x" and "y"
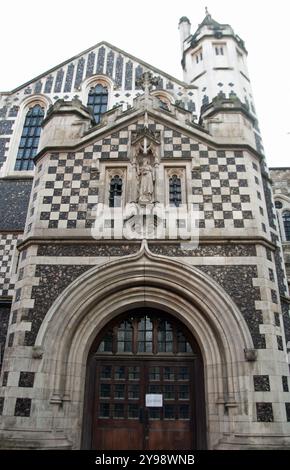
{"x": 144, "y": 301}
{"x": 281, "y": 190}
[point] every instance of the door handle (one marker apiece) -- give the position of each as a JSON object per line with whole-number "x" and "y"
{"x": 143, "y": 416}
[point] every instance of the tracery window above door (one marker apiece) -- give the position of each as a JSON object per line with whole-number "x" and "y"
{"x": 145, "y": 333}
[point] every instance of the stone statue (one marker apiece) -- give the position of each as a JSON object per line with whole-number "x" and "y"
{"x": 146, "y": 182}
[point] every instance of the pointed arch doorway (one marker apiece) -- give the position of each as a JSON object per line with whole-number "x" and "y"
{"x": 144, "y": 385}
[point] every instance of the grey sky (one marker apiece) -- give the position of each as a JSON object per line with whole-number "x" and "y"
{"x": 37, "y": 35}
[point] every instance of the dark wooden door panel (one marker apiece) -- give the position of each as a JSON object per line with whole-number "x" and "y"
{"x": 121, "y": 418}
{"x": 118, "y": 399}
{"x": 172, "y": 437}
{"x": 170, "y": 427}
{"x": 121, "y": 437}
{"x": 144, "y": 351}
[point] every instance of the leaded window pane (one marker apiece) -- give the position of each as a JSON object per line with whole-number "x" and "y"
{"x": 286, "y": 221}
{"x": 115, "y": 192}
{"x": 28, "y": 143}
{"x": 107, "y": 343}
{"x": 98, "y": 101}
{"x": 145, "y": 334}
{"x": 175, "y": 198}
{"x": 182, "y": 344}
{"x": 165, "y": 337}
{"x": 125, "y": 337}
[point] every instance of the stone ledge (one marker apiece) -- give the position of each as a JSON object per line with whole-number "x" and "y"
{"x": 254, "y": 442}
{"x": 22, "y": 440}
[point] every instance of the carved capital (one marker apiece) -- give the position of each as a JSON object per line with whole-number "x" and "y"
{"x": 37, "y": 352}
{"x": 251, "y": 355}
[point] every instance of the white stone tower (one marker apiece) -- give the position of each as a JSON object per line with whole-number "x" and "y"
{"x": 214, "y": 59}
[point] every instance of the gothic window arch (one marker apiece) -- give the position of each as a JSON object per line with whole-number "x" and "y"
{"x": 286, "y": 223}
{"x": 175, "y": 195}
{"x": 146, "y": 333}
{"x": 115, "y": 194}
{"x": 98, "y": 100}
{"x": 29, "y": 140}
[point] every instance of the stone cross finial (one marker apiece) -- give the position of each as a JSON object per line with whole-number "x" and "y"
{"x": 146, "y": 82}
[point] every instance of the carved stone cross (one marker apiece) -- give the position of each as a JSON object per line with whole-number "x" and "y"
{"x": 146, "y": 82}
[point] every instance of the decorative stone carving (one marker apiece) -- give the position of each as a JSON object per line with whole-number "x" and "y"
{"x": 37, "y": 352}
{"x": 251, "y": 355}
{"x": 179, "y": 172}
{"x": 145, "y": 160}
{"x": 146, "y": 182}
{"x": 147, "y": 81}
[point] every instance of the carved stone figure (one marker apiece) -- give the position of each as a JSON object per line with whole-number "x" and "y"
{"x": 146, "y": 182}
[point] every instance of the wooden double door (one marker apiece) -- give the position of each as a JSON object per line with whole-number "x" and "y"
{"x": 144, "y": 405}
{"x": 144, "y": 387}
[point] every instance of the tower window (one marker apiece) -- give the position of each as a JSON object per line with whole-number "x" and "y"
{"x": 278, "y": 204}
{"x": 175, "y": 191}
{"x": 198, "y": 56}
{"x": 30, "y": 138}
{"x": 219, "y": 50}
{"x": 98, "y": 101}
{"x": 286, "y": 222}
{"x": 115, "y": 191}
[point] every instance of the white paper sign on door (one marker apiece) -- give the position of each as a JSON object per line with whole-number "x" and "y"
{"x": 154, "y": 399}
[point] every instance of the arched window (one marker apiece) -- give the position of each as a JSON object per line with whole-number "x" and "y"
{"x": 115, "y": 192}
{"x": 165, "y": 336}
{"x": 98, "y": 101}
{"x": 125, "y": 337}
{"x": 30, "y": 138}
{"x": 175, "y": 191}
{"x": 278, "y": 204}
{"x": 286, "y": 222}
{"x": 144, "y": 334}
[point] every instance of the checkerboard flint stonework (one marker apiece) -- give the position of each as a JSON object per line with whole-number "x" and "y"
{"x": 9, "y": 255}
{"x": 222, "y": 183}
{"x": 71, "y": 192}
{"x": 219, "y": 184}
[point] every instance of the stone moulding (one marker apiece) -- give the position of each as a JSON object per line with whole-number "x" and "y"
{"x": 143, "y": 279}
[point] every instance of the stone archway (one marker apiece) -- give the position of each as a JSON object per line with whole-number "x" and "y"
{"x": 143, "y": 355}
{"x": 139, "y": 280}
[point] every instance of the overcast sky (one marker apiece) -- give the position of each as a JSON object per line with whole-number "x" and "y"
{"x": 36, "y": 35}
